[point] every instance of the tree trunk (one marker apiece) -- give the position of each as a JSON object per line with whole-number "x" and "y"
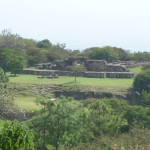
{"x": 75, "y": 78}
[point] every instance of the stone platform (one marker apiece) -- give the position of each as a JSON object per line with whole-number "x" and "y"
{"x": 88, "y": 74}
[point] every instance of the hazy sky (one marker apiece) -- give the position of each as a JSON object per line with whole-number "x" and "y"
{"x": 80, "y": 23}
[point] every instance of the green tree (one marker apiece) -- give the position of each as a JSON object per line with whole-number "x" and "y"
{"x": 138, "y": 115}
{"x": 10, "y": 40}
{"x": 3, "y": 78}
{"x": 104, "y": 119}
{"x": 105, "y": 53}
{"x": 15, "y": 136}
{"x": 8, "y": 109}
{"x": 16, "y": 64}
{"x": 142, "y": 81}
{"x": 145, "y": 99}
{"x": 10, "y": 56}
{"x": 142, "y": 56}
{"x": 63, "y": 123}
{"x": 76, "y": 70}
{"x": 44, "y": 44}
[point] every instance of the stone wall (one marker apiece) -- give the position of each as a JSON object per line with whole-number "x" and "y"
{"x": 90, "y": 65}
{"x": 88, "y": 74}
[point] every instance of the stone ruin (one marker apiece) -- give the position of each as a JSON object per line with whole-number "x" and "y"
{"x": 94, "y": 68}
{"x": 90, "y": 65}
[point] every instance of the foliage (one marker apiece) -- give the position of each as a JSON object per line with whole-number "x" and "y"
{"x": 16, "y": 64}
{"x": 11, "y": 60}
{"x": 44, "y": 44}
{"x": 15, "y": 136}
{"x": 146, "y": 67}
{"x": 3, "y": 78}
{"x": 138, "y": 115}
{"x": 136, "y": 139}
{"x": 105, "y": 53}
{"x": 34, "y": 56}
{"x": 76, "y": 70}
{"x": 63, "y": 123}
{"x": 142, "y": 56}
{"x": 8, "y": 109}
{"x": 142, "y": 81}
{"x": 104, "y": 119}
{"x": 10, "y": 40}
{"x": 145, "y": 99}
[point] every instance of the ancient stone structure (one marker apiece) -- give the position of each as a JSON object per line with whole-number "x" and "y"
{"x": 95, "y": 68}
{"x": 90, "y": 65}
{"x": 89, "y": 74}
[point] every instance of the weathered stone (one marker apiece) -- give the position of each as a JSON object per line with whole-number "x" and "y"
{"x": 79, "y": 95}
{"x": 88, "y": 74}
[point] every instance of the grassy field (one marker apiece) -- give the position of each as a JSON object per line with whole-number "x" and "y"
{"x": 31, "y": 87}
{"x": 101, "y": 82}
{"x": 27, "y": 103}
{"x": 136, "y": 70}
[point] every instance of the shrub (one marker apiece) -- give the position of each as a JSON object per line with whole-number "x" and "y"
{"x": 14, "y": 136}
{"x": 3, "y": 78}
{"x": 146, "y": 67}
{"x": 142, "y": 81}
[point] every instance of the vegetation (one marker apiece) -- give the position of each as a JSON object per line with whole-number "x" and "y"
{"x": 7, "y": 106}
{"x": 14, "y": 136}
{"x": 65, "y": 123}
{"x": 145, "y": 99}
{"x": 3, "y": 78}
{"x": 136, "y": 69}
{"x": 100, "y": 82}
{"x": 76, "y": 70}
{"x": 142, "y": 81}
{"x": 27, "y": 52}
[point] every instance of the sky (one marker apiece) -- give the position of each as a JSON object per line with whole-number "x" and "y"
{"x": 80, "y": 24}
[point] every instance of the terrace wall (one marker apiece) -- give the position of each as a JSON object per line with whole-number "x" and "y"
{"x": 88, "y": 74}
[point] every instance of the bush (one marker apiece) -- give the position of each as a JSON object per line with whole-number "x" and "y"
{"x": 8, "y": 108}
{"x": 3, "y": 78}
{"x": 14, "y": 136}
{"x": 142, "y": 81}
{"x": 146, "y": 67}
{"x": 145, "y": 99}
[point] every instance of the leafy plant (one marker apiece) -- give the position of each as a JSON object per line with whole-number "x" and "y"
{"x": 76, "y": 70}
{"x": 3, "y": 78}
{"x": 142, "y": 81}
{"x": 15, "y": 136}
{"x": 62, "y": 123}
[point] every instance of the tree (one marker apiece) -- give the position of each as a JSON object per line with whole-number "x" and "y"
{"x": 139, "y": 115}
{"x": 15, "y": 136}
{"x": 76, "y": 70}
{"x": 142, "y": 56}
{"x": 104, "y": 119}
{"x": 3, "y": 78}
{"x": 145, "y": 99}
{"x": 10, "y": 40}
{"x": 62, "y": 123}
{"x": 142, "y": 81}
{"x": 44, "y": 44}
{"x": 16, "y": 64}
{"x": 8, "y": 109}
{"x": 105, "y": 53}
{"x": 10, "y": 59}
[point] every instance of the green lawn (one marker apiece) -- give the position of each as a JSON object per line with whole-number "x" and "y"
{"x": 25, "y": 99}
{"x": 100, "y": 82}
{"x": 27, "y": 103}
{"x": 136, "y": 70}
